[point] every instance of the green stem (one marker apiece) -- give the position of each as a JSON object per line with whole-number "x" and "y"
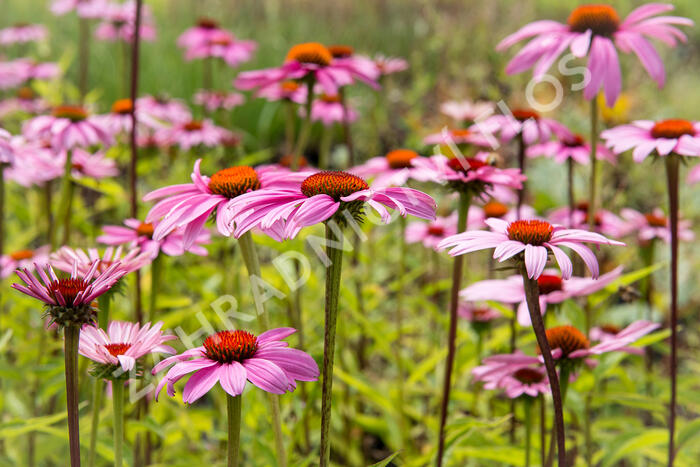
{"x": 335, "y": 254}
{"x": 289, "y": 120}
{"x": 72, "y": 336}
{"x": 399, "y": 331}
{"x": 48, "y": 210}
{"x": 346, "y": 128}
{"x": 457, "y": 272}
{"x": 324, "y": 152}
{"x": 252, "y": 264}
{"x": 592, "y": 207}
{"x": 118, "y": 404}
{"x": 233, "y": 409}
{"x": 570, "y": 190}
{"x": 96, "y": 404}
{"x": 67, "y": 197}
{"x": 305, "y": 131}
{"x": 84, "y": 56}
{"x": 156, "y": 268}
{"x": 528, "y": 428}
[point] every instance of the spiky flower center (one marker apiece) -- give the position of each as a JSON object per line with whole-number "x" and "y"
{"x": 234, "y": 181}
{"x": 465, "y": 164}
{"x": 122, "y": 107}
{"x": 673, "y": 128}
{"x": 207, "y": 23}
{"x": 26, "y": 93}
{"x": 495, "y": 209}
{"x": 117, "y": 349}
{"x": 528, "y": 376}
{"x": 193, "y": 125}
{"x": 602, "y": 20}
{"x": 310, "y": 52}
{"x": 567, "y": 338}
{"x": 436, "y": 230}
{"x": 335, "y": 184}
{"x": 73, "y": 113}
{"x": 145, "y": 229}
{"x": 610, "y": 329}
{"x": 330, "y": 98}
{"x": 548, "y": 283}
{"x": 289, "y": 86}
{"x": 574, "y": 141}
{"x": 655, "y": 220}
{"x": 341, "y": 51}
{"x": 400, "y": 158}
{"x": 231, "y": 346}
{"x": 22, "y": 255}
{"x": 67, "y": 288}
{"x": 530, "y": 232}
{"x": 525, "y": 114}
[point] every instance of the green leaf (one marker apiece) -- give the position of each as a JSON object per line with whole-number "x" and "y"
{"x": 625, "y": 279}
{"x": 385, "y": 462}
{"x": 649, "y": 437}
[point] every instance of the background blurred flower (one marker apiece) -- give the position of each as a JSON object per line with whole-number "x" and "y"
{"x": 663, "y": 137}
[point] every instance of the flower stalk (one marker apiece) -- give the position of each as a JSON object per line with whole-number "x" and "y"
{"x": 233, "y": 410}
{"x": 72, "y": 336}
{"x": 68, "y": 188}
{"x": 118, "y": 413}
{"x": 347, "y": 132}
{"x": 592, "y": 206}
{"x": 305, "y": 130}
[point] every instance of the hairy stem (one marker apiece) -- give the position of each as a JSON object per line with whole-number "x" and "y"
{"x": 118, "y": 405}
{"x": 233, "y": 410}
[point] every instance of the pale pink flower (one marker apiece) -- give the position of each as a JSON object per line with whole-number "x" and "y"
{"x": 67, "y": 127}
{"x": 123, "y": 343}
{"x": 22, "y": 33}
{"x": 432, "y": 232}
{"x": 595, "y": 31}
{"x": 570, "y": 147}
{"x": 92, "y": 165}
{"x": 164, "y": 109}
{"x": 233, "y": 357}
{"x": 457, "y": 136}
{"x": 393, "y": 169}
{"x": 516, "y": 378}
{"x": 193, "y": 133}
{"x": 494, "y": 208}
{"x": 118, "y": 21}
{"x": 465, "y": 172}
{"x": 24, "y": 259}
{"x": 477, "y": 314}
{"x": 118, "y": 120}
{"x": 35, "y": 163}
{"x": 358, "y": 66}
{"x": 534, "y": 238}
{"x": 200, "y": 34}
{"x": 284, "y": 90}
{"x": 222, "y": 44}
{"x": 608, "y": 332}
{"x": 215, "y": 100}
{"x": 7, "y": 151}
{"x": 534, "y": 127}
{"x": 653, "y": 225}
{"x": 390, "y": 65}
{"x": 663, "y": 138}
{"x": 466, "y": 111}
{"x": 67, "y": 258}
{"x": 25, "y": 101}
{"x": 604, "y": 222}
{"x": 328, "y": 110}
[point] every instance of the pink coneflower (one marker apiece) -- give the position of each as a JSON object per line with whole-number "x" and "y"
{"x": 393, "y": 169}
{"x": 286, "y": 90}
{"x": 200, "y": 34}
{"x": 329, "y": 110}
{"x": 140, "y": 234}
{"x": 11, "y": 75}
{"x": 215, "y": 100}
{"x": 118, "y": 21}
{"x": 25, "y": 101}
{"x": 595, "y": 31}
{"x": 320, "y": 197}
{"x": 67, "y": 259}
{"x": 193, "y": 133}
{"x": 663, "y": 138}
{"x": 67, "y": 127}
{"x": 188, "y": 206}
{"x": 604, "y": 222}
{"x": 92, "y": 165}
{"x": 457, "y": 136}
{"x": 494, "y": 208}
{"x": 84, "y": 8}
{"x": 24, "y": 259}
{"x": 390, "y": 65}
{"x": 654, "y": 225}
{"x": 222, "y": 44}
{"x": 609, "y": 332}
{"x": 118, "y": 120}
{"x": 31, "y": 70}
{"x": 533, "y": 127}
{"x": 7, "y": 151}
{"x": 569, "y": 147}
{"x": 22, "y": 33}
{"x": 308, "y": 59}
{"x": 431, "y": 233}
{"x": 233, "y": 357}
{"x": 466, "y": 111}
{"x": 477, "y": 314}
{"x": 552, "y": 290}
{"x": 357, "y": 66}
{"x": 516, "y": 379}
{"x": 164, "y": 109}
{"x": 123, "y": 343}
{"x": 35, "y": 163}
{"x": 465, "y": 173}
{"x": 533, "y": 237}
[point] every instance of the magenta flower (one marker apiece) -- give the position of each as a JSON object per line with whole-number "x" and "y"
{"x": 118, "y": 120}
{"x": 284, "y": 90}
{"x": 17, "y": 72}
{"x": 164, "y": 109}
{"x": 534, "y": 238}
{"x": 552, "y": 288}
{"x": 534, "y": 127}
{"x": 118, "y": 20}
{"x": 308, "y": 59}
{"x": 466, "y": 111}
{"x": 609, "y": 332}
{"x": 67, "y": 127}
{"x": 390, "y": 65}
{"x": 85, "y": 164}
{"x": 662, "y": 138}
{"x": 431, "y": 233}
{"x": 215, "y": 100}
{"x": 570, "y": 147}
{"x": 605, "y": 222}
{"x": 648, "y": 227}
{"x": 139, "y": 234}
{"x": 68, "y": 259}
{"x": 595, "y": 31}
{"x": 35, "y": 163}
{"x": 358, "y": 67}
{"x": 457, "y": 136}
{"x": 233, "y": 357}
{"x": 24, "y": 259}
{"x": 516, "y": 379}
{"x": 123, "y": 343}
{"x": 221, "y": 44}
{"x": 394, "y": 169}
{"x": 476, "y": 314}
{"x": 25, "y": 101}
{"x": 329, "y": 110}
{"x": 193, "y": 133}
{"x": 282, "y": 213}
{"x": 7, "y": 151}
{"x": 465, "y": 172}
{"x": 188, "y": 206}
{"x": 22, "y": 33}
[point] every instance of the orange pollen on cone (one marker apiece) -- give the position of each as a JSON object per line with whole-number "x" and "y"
{"x": 117, "y": 349}
{"x": 673, "y": 128}
{"x": 495, "y": 209}
{"x": 330, "y": 98}
{"x": 334, "y": 184}
{"x": 122, "y": 107}
{"x": 289, "y": 86}
{"x": 610, "y": 329}
{"x": 531, "y": 232}
{"x": 524, "y": 114}
{"x": 234, "y": 181}
{"x": 574, "y": 142}
{"x": 22, "y": 254}
{"x": 567, "y": 338}
{"x": 207, "y": 23}
{"x": 548, "y": 283}
{"x": 71, "y": 112}
{"x": 286, "y": 161}
{"x": 223, "y": 41}
{"x": 656, "y": 221}
{"x": 436, "y": 230}
{"x": 465, "y": 164}
{"x": 341, "y": 51}
{"x": 67, "y": 288}
{"x": 528, "y": 376}
{"x": 145, "y": 229}
{"x": 230, "y": 346}
{"x": 310, "y": 52}
{"x": 602, "y": 20}
{"x": 193, "y": 125}
{"x": 400, "y": 158}
{"x": 26, "y": 93}
{"x": 460, "y": 133}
